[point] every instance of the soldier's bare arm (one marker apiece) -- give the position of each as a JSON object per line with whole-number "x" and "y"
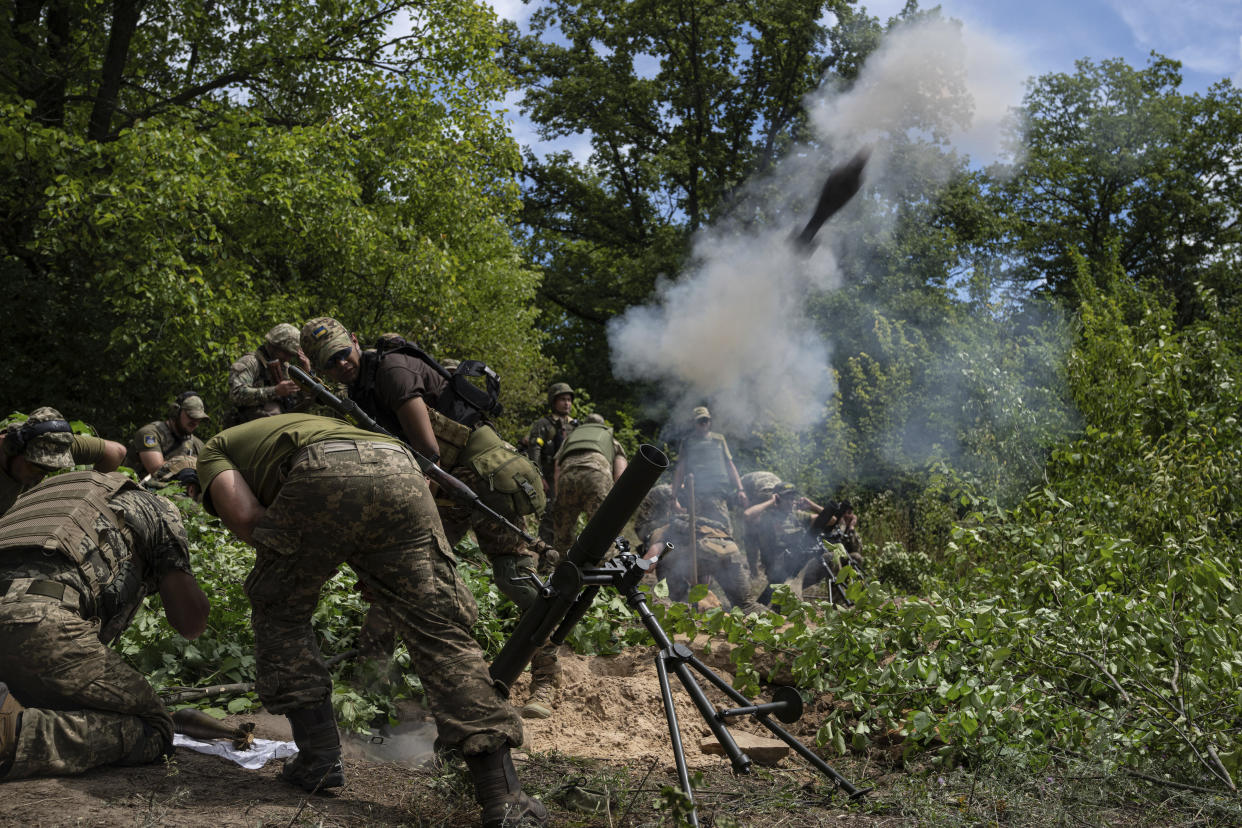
{"x": 236, "y": 504}
{"x": 416, "y": 424}
{"x": 151, "y": 460}
{"x": 185, "y": 605}
{"x": 619, "y": 464}
{"x": 113, "y": 456}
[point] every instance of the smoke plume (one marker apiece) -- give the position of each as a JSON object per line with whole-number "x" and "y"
{"x": 731, "y": 331}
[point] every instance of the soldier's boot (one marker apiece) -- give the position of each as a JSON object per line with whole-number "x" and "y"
{"x": 542, "y": 698}
{"x": 497, "y": 789}
{"x": 317, "y": 765}
{"x": 10, "y": 723}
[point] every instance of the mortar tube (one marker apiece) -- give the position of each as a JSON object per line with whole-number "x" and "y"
{"x": 587, "y": 552}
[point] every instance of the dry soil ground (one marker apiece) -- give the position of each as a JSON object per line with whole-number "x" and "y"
{"x": 609, "y": 734}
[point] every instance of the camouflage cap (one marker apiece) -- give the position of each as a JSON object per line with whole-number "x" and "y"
{"x": 701, "y": 413}
{"x": 598, "y": 419}
{"x": 759, "y": 484}
{"x": 172, "y": 469}
{"x": 285, "y": 337}
{"x": 193, "y": 405}
{"x": 784, "y": 489}
{"x": 322, "y": 337}
{"x": 52, "y": 449}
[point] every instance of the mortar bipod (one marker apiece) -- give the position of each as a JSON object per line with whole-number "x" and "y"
{"x": 624, "y": 573}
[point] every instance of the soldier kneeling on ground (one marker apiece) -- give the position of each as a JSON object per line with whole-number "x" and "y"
{"x": 80, "y": 552}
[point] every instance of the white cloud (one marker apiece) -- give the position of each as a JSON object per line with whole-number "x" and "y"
{"x": 514, "y": 10}
{"x": 1203, "y": 34}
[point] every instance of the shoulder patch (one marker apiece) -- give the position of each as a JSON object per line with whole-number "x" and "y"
{"x": 149, "y": 441}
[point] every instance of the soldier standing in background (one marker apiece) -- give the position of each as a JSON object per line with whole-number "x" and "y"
{"x": 160, "y": 441}
{"x": 549, "y": 432}
{"x": 589, "y": 461}
{"x": 705, "y": 454}
{"x": 258, "y": 383}
{"x": 310, "y": 493}
{"x": 45, "y": 443}
{"x": 78, "y": 554}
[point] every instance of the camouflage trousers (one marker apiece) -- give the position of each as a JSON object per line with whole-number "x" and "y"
{"x": 512, "y": 565}
{"x": 580, "y": 489}
{"x": 85, "y": 706}
{"x": 719, "y": 559}
{"x": 713, "y": 506}
{"x": 368, "y": 505}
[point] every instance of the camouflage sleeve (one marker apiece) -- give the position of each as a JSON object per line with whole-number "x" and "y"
{"x": 159, "y": 535}
{"x": 87, "y": 450}
{"x": 540, "y": 433}
{"x": 245, "y": 383}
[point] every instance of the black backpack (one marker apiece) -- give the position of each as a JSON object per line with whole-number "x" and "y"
{"x": 473, "y": 388}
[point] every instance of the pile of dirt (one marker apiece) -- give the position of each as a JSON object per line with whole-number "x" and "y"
{"x": 609, "y": 709}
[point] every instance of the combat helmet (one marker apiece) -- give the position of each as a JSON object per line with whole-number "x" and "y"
{"x": 558, "y": 388}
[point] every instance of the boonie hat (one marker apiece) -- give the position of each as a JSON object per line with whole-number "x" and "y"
{"x": 51, "y": 449}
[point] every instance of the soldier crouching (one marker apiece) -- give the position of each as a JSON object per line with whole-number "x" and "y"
{"x": 80, "y": 552}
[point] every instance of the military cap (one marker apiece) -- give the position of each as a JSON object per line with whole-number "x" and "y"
{"x": 285, "y": 337}
{"x": 45, "y": 439}
{"x": 322, "y": 337}
{"x": 193, "y": 405}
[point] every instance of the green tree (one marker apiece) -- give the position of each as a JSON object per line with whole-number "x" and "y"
{"x": 681, "y": 102}
{"x": 175, "y": 184}
{"x": 1113, "y": 163}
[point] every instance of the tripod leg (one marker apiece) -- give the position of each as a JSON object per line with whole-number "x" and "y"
{"x": 674, "y": 732}
{"x": 780, "y": 732}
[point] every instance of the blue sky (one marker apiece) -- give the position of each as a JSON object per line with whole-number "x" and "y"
{"x": 1049, "y": 35}
{"x": 1205, "y": 35}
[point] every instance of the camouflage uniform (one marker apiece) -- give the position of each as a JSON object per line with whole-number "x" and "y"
{"x": 85, "y": 706}
{"x": 512, "y": 561}
{"x": 337, "y": 494}
{"x": 159, "y": 436}
{"x": 45, "y": 450}
{"x": 548, "y": 433}
{"x": 252, "y": 389}
{"x": 708, "y": 459}
{"x": 585, "y": 463}
{"x": 718, "y": 557}
{"x": 384, "y": 382}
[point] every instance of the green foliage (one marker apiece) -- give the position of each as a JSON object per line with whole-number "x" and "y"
{"x": 296, "y": 164}
{"x": 1115, "y": 164}
{"x": 680, "y": 105}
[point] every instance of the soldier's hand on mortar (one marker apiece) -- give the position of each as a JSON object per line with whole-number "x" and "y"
{"x": 286, "y": 387}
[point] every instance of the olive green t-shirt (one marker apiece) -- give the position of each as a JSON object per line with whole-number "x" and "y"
{"x": 87, "y": 449}
{"x": 259, "y": 448}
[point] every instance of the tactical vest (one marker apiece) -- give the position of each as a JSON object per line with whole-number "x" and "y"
{"x": 62, "y": 513}
{"x": 589, "y": 437}
{"x": 705, "y": 459}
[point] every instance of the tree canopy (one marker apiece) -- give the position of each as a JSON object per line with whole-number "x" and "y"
{"x": 187, "y": 175}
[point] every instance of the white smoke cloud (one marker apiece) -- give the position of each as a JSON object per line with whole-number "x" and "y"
{"x": 731, "y": 331}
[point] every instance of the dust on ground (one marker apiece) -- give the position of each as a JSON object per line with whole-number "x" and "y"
{"x": 609, "y": 734}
